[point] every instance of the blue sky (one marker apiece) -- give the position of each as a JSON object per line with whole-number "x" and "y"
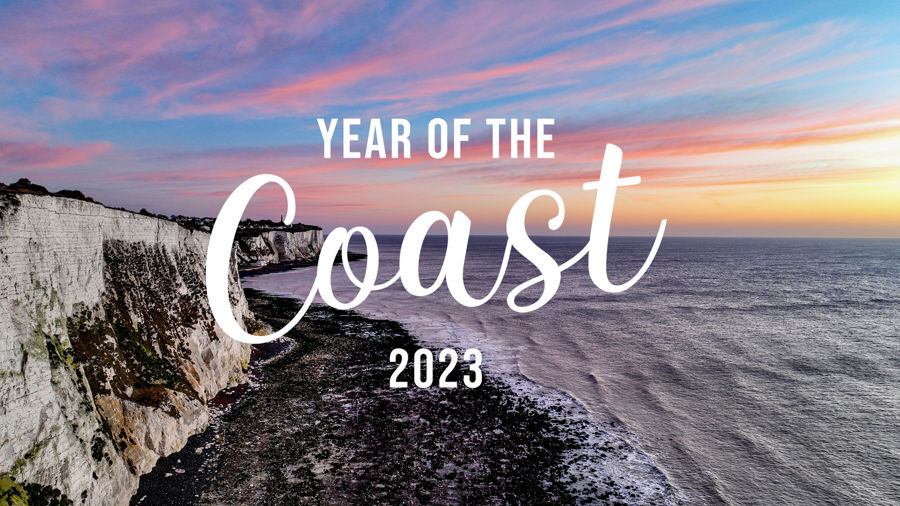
{"x": 747, "y": 118}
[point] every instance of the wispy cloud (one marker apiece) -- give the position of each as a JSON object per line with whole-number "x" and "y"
{"x": 170, "y": 104}
{"x": 23, "y": 156}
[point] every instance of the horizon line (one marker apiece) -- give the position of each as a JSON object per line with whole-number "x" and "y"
{"x": 678, "y": 236}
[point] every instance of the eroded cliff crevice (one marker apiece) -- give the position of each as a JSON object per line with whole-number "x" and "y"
{"x": 265, "y": 247}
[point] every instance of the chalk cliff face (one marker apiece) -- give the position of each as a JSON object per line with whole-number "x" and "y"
{"x": 273, "y": 246}
{"x": 108, "y": 350}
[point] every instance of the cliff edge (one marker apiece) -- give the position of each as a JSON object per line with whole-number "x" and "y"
{"x": 259, "y": 243}
{"x": 108, "y": 349}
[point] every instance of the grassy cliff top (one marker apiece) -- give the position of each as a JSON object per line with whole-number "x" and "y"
{"x": 248, "y": 227}
{"x": 25, "y": 186}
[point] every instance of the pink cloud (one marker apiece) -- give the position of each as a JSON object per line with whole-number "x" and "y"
{"x": 192, "y": 59}
{"x": 30, "y": 155}
{"x": 709, "y": 150}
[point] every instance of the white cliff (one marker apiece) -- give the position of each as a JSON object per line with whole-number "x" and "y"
{"x": 108, "y": 350}
{"x": 274, "y": 246}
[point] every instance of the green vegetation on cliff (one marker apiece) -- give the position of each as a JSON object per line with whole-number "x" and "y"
{"x": 134, "y": 342}
{"x": 13, "y": 493}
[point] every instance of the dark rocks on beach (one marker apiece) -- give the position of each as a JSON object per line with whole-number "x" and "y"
{"x": 320, "y": 425}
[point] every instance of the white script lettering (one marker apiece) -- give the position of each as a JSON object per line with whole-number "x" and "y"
{"x": 222, "y": 237}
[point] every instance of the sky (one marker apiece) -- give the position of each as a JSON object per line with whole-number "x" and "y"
{"x": 743, "y": 118}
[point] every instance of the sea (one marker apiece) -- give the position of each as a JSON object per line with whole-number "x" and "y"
{"x": 751, "y": 371}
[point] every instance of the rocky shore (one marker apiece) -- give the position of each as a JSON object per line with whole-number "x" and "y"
{"x": 317, "y": 424}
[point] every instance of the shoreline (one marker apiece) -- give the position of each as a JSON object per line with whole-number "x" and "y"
{"x": 288, "y": 265}
{"x": 634, "y": 466}
{"x": 316, "y": 422}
